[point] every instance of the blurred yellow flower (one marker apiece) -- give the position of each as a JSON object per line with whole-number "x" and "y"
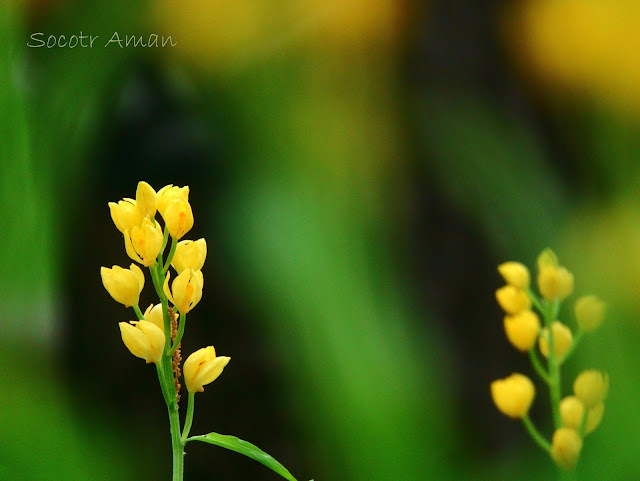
{"x": 522, "y": 329}
{"x": 591, "y": 387}
{"x": 572, "y": 411}
{"x": 126, "y": 215}
{"x": 587, "y": 46}
{"x": 590, "y": 311}
{"x": 124, "y": 285}
{"x": 186, "y": 290}
{"x": 515, "y": 274}
{"x": 143, "y": 339}
{"x": 512, "y": 299}
{"x": 203, "y": 367}
{"x": 566, "y": 445}
{"x": 555, "y": 282}
{"x": 562, "y": 340}
{"x": 513, "y": 395}
{"x": 143, "y": 243}
{"x": 190, "y": 255}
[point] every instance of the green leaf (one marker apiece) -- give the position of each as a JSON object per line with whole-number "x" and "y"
{"x": 248, "y": 449}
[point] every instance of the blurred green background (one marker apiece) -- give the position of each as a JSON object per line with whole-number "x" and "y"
{"x": 358, "y": 169}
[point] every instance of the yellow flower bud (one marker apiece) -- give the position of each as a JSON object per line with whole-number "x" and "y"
{"x": 566, "y": 445}
{"x": 168, "y": 194}
{"x": 154, "y": 315}
{"x": 146, "y": 199}
{"x": 555, "y": 282}
{"x": 515, "y": 274}
{"x": 572, "y": 410}
{"x": 547, "y": 258}
{"x": 513, "y": 300}
{"x": 591, "y": 387}
{"x": 562, "y": 340}
{"x": 594, "y": 416}
{"x": 143, "y": 243}
{"x": 522, "y": 329}
{"x": 124, "y": 285}
{"x": 144, "y": 339}
{"x": 203, "y": 367}
{"x": 513, "y": 395}
{"x": 186, "y": 290}
{"x": 190, "y": 255}
{"x": 178, "y": 217}
{"x": 126, "y": 215}
{"x": 589, "y": 312}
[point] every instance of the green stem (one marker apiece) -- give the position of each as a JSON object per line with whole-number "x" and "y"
{"x": 550, "y": 313}
{"x": 535, "y": 434}
{"x": 574, "y": 344}
{"x": 583, "y": 423}
{"x": 177, "y": 446}
{"x": 176, "y": 343}
{"x": 535, "y": 361}
{"x": 172, "y": 251}
{"x": 165, "y": 238}
{"x": 535, "y": 301}
{"x": 189, "y": 419}
{"x": 138, "y": 312}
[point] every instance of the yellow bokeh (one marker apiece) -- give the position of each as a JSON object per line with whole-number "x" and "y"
{"x": 587, "y": 46}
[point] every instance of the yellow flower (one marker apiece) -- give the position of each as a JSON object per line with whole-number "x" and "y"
{"x": 186, "y": 290}
{"x": 168, "y": 194}
{"x": 572, "y": 411}
{"x": 513, "y": 300}
{"x": 178, "y": 217}
{"x": 522, "y": 329}
{"x": 594, "y": 416}
{"x": 126, "y": 215}
{"x": 515, "y": 274}
{"x": 146, "y": 199}
{"x": 143, "y": 243}
{"x": 155, "y": 315}
{"x": 144, "y": 339}
{"x": 585, "y": 46}
{"x": 189, "y": 255}
{"x": 562, "y": 340}
{"x": 513, "y": 395}
{"x": 555, "y": 282}
{"x": 566, "y": 445}
{"x": 547, "y": 258}
{"x": 591, "y": 387}
{"x": 203, "y": 367}
{"x": 124, "y": 285}
{"x": 589, "y": 312}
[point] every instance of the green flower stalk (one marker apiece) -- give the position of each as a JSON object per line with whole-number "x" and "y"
{"x": 156, "y": 335}
{"x": 573, "y": 416}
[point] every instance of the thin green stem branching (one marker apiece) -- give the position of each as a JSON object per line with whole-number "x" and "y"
{"x": 535, "y": 434}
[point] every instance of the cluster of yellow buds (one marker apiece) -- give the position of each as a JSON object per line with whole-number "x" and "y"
{"x": 155, "y": 336}
{"x": 574, "y": 416}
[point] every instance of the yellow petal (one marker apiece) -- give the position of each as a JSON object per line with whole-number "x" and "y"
{"x": 128, "y": 246}
{"x": 565, "y": 448}
{"x": 513, "y": 395}
{"x": 515, "y": 274}
{"x": 135, "y": 340}
{"x": 156, "y": 339}
{"x": 146, "y": 199}
{"x": 178, "y": 217}
{"x": 166, "y": 290}
{"x": 155, "y": 315}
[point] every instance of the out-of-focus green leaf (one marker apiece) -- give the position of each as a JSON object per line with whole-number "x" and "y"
{"x": 245, "y": 448}
{"x": 492, "y": 167}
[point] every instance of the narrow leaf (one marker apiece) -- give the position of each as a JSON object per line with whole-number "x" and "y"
{"x": 248, "y": 449}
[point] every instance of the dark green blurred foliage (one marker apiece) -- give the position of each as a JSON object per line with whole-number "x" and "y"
{"x": 355, "y": 201}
